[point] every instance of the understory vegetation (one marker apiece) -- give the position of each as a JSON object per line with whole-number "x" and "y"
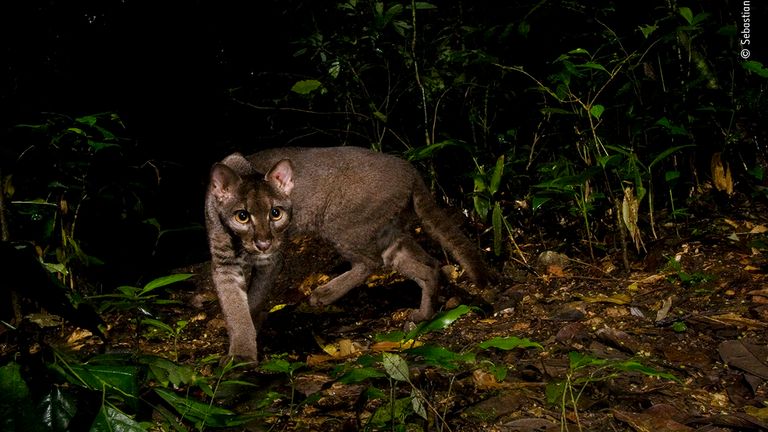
{"x": 595, "y": 130}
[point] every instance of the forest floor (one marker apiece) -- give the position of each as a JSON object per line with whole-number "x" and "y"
{"x": 678, "y": 343}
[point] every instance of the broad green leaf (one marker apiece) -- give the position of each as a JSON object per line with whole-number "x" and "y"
{"x": 115, "y": 379}
{"x": 538, "y": 201}
{"x": 201, "y": 413}
{"x": 306, "y": 86}
{"x": 592, "y": 65}
{"x": 672, "y": 175}
{"x": 57, "y": 409}
{"x": 395, "y": 366}
{"x": 424, "y": 5}
{"x": 391, "y": 412}
{"x": 554, "y": 392}
{"x": 756, "y": 67}
{"x": 442, "y": 357}
{"x": 636, "y": 366}
{"x": 509, "y": 343}
{"x": 110, "y": 419}
{"x": 687, "y": 14}
{"x": 647, "y": 30}
{"x": 100, "y": 145}
{"x": 441, "y": 321}
{"x": 597, "y": 111}
{"x": 89, "y": 120}
{"x": 498, "y": 172}
{"x": 12, "y": 385}
{"x": 165, "y": 280}
{"x": 578, "y": 360}
{"x": 425, "y": 152}
{"x": 672, "y": 128}
{"x": 16, "y": 410}
{"x": 280, "y": 365}
{"x": 417, "y": 404}
{"x": 663, "y": 155}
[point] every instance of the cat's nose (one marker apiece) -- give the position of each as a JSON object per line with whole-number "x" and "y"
{"x": 263, "y": 245}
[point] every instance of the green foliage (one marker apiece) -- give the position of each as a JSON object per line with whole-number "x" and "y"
{"x": 585, "y": 370}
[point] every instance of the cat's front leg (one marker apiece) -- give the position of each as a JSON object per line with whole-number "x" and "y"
{"x": 230, "y": 284}
{"x": 340, "y": 285}
{"x": 262, "y": 279}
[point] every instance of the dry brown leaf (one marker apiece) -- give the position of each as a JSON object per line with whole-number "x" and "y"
{"x": 721, "y": 174}
{"x": 620, "y": 299}
{"x": 629, "y": 214}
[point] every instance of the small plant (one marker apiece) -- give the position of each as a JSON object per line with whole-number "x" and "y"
{"x": 141, "y": 300}
{"x": 686, "y": 278}
{"x": 585, "y": 370}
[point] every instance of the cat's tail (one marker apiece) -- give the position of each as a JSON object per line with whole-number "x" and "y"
{"x": 440, "y": 227}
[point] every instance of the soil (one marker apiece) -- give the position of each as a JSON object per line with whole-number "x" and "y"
{"x": 676, "y": 343}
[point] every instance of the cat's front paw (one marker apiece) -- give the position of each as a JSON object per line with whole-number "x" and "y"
{"x": 419, "y": 315}
{"x": 322, "y": 296}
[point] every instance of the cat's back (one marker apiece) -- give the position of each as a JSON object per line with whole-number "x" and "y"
{"x": 328, "y": 160}
{"x": 334, "y": 183}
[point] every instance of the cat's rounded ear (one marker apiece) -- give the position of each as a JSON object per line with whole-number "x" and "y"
{"x": 281, "y": 176}
{"x": 224, "y": 181}
{"x": 239, "y": 164}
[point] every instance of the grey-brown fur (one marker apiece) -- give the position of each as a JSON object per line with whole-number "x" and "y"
{"x": 358, "y": 200}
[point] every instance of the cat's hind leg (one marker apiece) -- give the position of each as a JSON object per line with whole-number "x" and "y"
{"x": 408, "y": 258}
{"x": 341, "y": 284}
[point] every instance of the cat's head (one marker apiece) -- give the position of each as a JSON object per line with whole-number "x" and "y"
{"x": 254, "y": 208}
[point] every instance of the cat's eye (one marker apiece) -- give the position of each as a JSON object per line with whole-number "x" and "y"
{"x": 275, "y": 214}
{"x": 242, "y": 216}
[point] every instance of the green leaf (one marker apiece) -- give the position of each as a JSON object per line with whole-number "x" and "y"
{"x": 419, "y": 153}
{"x": 159, "y": 325}
{"x": 57, "y": 408}
{"x": 280, "y": 365}
{"x": 663, "y": 155}
{"x": 509, "y": 343}
{"x": 647, "y": 30}
{"x": 672, "y": 175}
{"x": 636, "y": 366}
{"x": 16, "y": 410}
{"x": 441, "y": 321}
{"x": 119, "y": 380}
{"x": 306, "y": 86}
{"x": 111, "y": 419}
{"x": 417, "y": 404}
{"x": 554, "y": 392}
{"x": 597, "y": 111}
{"x": 424, "y": 5}
{"x": 578, "y": 360}
{"x": 442, "y": 357}
{"x": 687, "y": 14}
{"x": 592, "y": 65}
{"x": 756, "y": 67}
{"x": 395, "y": 366}
{"x": 498, "y": 172}
{"x": 671, "y": 127}
{"x": 539, "y": 201}
{"x": 202, "y": 413}
{"x": 165, "y": 280}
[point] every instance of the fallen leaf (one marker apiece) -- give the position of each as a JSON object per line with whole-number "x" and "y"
{"x": 744, "y": 356}
{"x": 650, "y": 422}
{"x": 620, "y": 299}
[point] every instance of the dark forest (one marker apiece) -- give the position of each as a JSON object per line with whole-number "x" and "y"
{"x": 608, "y": 159}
